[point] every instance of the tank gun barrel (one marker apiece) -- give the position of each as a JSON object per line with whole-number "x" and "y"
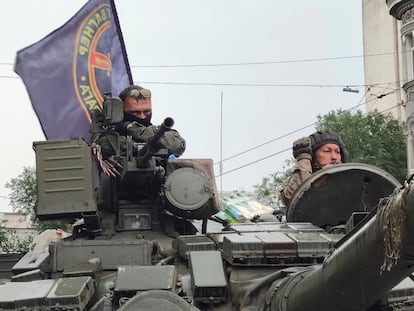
{"x": 360, "y": 271}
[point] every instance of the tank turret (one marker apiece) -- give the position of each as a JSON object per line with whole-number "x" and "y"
{"x": 146, "y": 238}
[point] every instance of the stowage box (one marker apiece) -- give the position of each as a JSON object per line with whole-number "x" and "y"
{"x": 64, "y": 179}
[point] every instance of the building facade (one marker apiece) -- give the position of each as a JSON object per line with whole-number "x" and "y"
{"x": 382, "y": 60}
{"x": 388, "y": 31}
{"x": 402, "y": 12}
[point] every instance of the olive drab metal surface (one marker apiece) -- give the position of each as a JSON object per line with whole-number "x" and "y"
{"x": 144, "y": 240}
{"x": 64, "y": 175}
{"x": 330, "y": 196}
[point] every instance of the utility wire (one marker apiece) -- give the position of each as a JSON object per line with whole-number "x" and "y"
{"x": 259, "y": 160}
{"x": 360, "y": 103}
{"x": 379, "y": 84}
{"x": 9, "y": 77}
{"x": 258, "y": 62}
{"x": 265, "y": 143}
{"x": 237, "y": 84}
{"x": 248, "y": 84}
{"x": 266, "y": 85}
{"x": 256, "y": 84}
{"x": 368, "y": 90}
{"x": 279, "y": 152}
{"x": 269, "y": 62}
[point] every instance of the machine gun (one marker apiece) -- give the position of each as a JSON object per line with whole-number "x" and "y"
{"x": 152, "y": 146}
{"x": 152, "y": 192}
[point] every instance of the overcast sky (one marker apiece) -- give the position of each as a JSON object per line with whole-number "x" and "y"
{"x": 255, "y": 84}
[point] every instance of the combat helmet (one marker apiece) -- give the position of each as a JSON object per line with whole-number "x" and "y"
{"x": 320, "y": 138}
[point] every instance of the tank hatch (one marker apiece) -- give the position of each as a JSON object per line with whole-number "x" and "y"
{"x": 330, "y": 196}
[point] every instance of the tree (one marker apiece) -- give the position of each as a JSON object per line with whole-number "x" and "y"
{"x": 23, "y": 199}
{"x": 372, "y": 138}
{"x": 2, "y": 233}
{"x": 268, "y": 191}
{"x": 23, "y": 192}
{"x": 10, "y": 242}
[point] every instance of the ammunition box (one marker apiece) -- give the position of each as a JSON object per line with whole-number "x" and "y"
{"x": 64, "y": 174}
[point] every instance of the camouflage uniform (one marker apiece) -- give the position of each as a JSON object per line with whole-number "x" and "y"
{"x": 141, "y": 130}
{"x": 301, "y": 171}
{"x": 304, "y": 152}
{"x": 170, "y": 140}
{"x": 141, "y": 134}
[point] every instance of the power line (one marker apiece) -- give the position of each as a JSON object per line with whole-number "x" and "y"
{"x": 251, "y": 84}
{"x": 239, "y": 84}
{"x": 360, "y": 103}
{"x": 266, "y": 143}
{"x": 9, "y": 77}
{"x": 287, "y": 134}
{"x": 265, "y": 84}
{"x": 259, "y": 160}
{"x": 246, "y": 84}
{"x": 279, "y": 152}
{"x": 268, "y": 62}
{"x": 361, "y": 99}
{"x": 258, "y": 62}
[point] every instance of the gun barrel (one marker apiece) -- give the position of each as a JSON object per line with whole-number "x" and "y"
{"x": 151, "y": 147}
{"x": 166, "y": 125}
{"x": 353, "y": 276}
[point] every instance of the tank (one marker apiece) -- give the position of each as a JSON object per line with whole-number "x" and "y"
{"x": 150, "y": 239}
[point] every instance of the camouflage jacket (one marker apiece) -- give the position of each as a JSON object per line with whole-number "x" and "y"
{"x": 301, "y": 171}
{"x": 171, "y": 139}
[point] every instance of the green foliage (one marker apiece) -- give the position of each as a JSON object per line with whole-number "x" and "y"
{"x": 268, "y": 191}
{"x": 41, "y": 226}
{"x": 2, "y": 233}
{"x": 10, "y": 242}
{"x": 23, "y": 199}
{"x": 373, "y": 138}
{"x": 23, "y": 191}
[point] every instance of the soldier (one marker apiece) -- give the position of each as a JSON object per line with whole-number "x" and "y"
{"x": 137, "y": 120}
{"x": 137, "y": 124}
{"x": 312, "y": 153}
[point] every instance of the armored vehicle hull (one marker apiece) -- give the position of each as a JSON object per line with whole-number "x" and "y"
{"x": 144, "y": 240}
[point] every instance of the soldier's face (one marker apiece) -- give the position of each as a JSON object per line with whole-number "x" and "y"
{"x": 138, "y": 107}
{"x": 328, "y": 154}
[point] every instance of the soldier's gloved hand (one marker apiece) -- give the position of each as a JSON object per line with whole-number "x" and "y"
{"x": 123, "y": 126}
{"x": 141, "y": 133}
{"x": 302, "y": 149}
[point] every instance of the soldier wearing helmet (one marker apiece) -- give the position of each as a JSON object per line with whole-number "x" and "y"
{"x": 137, "y": 120}
{"x": 312, "y": 153}
{"x": 136, "y": 124}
